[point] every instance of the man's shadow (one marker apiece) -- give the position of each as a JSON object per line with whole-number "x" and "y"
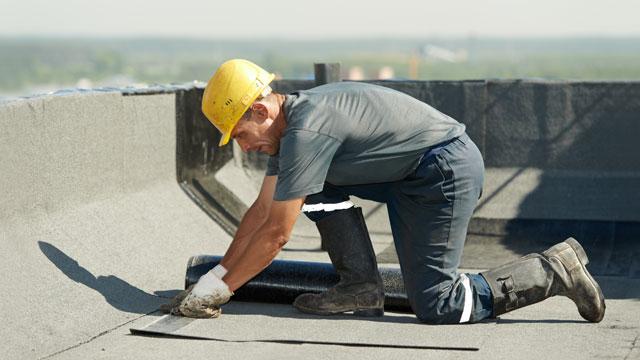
{"x": 117, "y": 292}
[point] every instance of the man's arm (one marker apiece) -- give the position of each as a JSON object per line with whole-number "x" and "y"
{"x": 265, "y": 243}
{"x": 210, "y": 290}
{"x": 253, "y": 218}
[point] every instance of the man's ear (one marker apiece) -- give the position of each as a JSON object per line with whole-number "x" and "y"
{"x": 260, "y": 110}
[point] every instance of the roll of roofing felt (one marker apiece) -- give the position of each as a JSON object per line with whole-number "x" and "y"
{"x": 283, "y": 280}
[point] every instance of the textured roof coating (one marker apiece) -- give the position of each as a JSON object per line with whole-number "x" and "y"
{"x": 95, "y": 234}
{"x": 92, "y": 221}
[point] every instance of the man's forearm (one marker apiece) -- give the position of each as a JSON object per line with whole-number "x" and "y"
{"x": 254, "y": 251}
{"x": 251, "y": 221}
{"x": 259, "y": 251}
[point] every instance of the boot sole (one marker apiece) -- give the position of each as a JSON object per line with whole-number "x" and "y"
{"x": 375, "y": 312}
{"x": 584, "y": 260}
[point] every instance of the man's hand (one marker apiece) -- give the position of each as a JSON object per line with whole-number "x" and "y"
{"x": 202, "y": 300}
{"x": 209, "y": 292}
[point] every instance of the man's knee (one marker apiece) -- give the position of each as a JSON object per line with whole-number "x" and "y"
{"x": 444, "y": 303}
{"x": 430, "y": 314}
{"x": 466, "y": 299}
{"x": 433, "y": 317}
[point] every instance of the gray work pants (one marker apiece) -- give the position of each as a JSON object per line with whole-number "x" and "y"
{"x": 429, "y": 212}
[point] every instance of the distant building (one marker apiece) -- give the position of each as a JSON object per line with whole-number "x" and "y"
{"x": 386, "y": 73}
{"x": 355, "y": 73}
{"x": 84, "y": 83}
{"x": 433, "y": 52}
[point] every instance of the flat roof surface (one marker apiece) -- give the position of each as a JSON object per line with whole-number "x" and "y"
{"x": 95, "y": 234}
{"x": 551, "y": 330}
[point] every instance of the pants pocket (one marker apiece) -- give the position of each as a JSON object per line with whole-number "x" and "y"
{"x": 431, "y": 184}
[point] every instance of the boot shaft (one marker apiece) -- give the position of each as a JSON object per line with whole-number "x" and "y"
{"x": 348, "y": 244}
{"x": 360, "y": 289}
{"x": 560, "y": 270}
{"x": 522, "y": 282}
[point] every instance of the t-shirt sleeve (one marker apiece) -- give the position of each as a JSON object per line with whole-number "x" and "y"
{"x": 304, "y": 160}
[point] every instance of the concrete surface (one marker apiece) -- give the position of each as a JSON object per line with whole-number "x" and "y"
{"x": 551, "y": 330}
{"x": 95, "y": 232}
{"x": 92, "y": 221}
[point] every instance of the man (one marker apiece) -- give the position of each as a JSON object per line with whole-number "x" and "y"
{"x": 342, "y": 139}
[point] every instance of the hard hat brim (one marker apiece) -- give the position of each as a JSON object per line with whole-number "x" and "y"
{"x": 224, "y": 140}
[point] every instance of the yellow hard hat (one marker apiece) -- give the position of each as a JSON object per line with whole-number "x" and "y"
{"x": 231, "y": 90}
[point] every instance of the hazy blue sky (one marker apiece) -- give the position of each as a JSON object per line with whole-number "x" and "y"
{"x": 315, "y": 19}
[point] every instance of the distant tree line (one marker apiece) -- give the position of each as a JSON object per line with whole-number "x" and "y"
{"x": 26, "y": 62}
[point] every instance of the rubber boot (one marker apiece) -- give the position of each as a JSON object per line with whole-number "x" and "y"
{"x": 560, "y": 270}
{"x": 360, "y": 287}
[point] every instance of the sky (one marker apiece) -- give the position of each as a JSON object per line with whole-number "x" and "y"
{"x": 299, "y": 19}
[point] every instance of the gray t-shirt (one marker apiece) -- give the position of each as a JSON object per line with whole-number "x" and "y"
{"x": 350, "y": 133}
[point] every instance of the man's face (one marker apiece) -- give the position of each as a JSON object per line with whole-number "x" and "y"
{"x": 253, "y": 134}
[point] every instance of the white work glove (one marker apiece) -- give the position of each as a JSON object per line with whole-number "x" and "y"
{"x": 203, "y": 299}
